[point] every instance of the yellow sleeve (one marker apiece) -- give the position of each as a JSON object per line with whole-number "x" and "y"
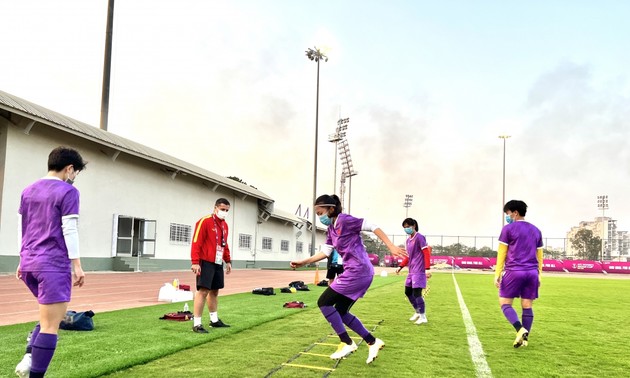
{"x": 539, "y": 256}
{"x": 501, "y": 255}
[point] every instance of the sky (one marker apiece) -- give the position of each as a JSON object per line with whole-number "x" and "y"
{"x": 428, "y": 87}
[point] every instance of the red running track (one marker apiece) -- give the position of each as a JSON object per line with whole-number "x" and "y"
{"x": 108, "y": 291}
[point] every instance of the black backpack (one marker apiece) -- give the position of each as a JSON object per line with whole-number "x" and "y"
{"x": 296, "y": 284}
{"x": 263, "y": 291}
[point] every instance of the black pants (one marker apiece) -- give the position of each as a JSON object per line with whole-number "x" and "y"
{"x": 331, "y": 298}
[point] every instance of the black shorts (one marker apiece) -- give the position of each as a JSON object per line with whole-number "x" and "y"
{"x": 333, "y": 271}
{"x": 211, "y": 276}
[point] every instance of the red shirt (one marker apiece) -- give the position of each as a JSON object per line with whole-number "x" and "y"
{"x": 210, "y": 231}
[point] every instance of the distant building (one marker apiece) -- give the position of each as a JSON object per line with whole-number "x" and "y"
{"x": 616, "y": 243}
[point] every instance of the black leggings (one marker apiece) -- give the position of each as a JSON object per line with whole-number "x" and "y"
{"x": 331, "y": 298}
{"x": 416, "y": 292}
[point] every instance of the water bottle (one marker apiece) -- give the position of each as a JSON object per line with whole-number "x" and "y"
{"x": 186, "y": 307}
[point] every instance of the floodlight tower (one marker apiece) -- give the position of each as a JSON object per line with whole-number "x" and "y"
{"x": 348, "y": 167}
{"x": 602, "y": 204}
{"x": 339, "y": 134}
{"x": 315, "y": 55}
{"x": 407, "y": 204}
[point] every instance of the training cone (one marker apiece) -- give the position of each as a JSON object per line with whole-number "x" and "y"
{"x": 316, "y": 274}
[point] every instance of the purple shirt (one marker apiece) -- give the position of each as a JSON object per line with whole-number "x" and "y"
{"x": 42, "y": 205}
{"x": 522, "y": 239}
{"x": 345, "y": 236}
{"x": 415, "y": 245}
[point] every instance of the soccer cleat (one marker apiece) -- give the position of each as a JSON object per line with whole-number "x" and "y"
{"x": 199, "y": 329}
{"x": 414, "y": 317}
{"x": 521, "y": 338}
{"x": 344, "y": 350}
{"x": 525, "y": 339}
{"x": 422, "y": 319}
{"x": 218, "y": 324}
{"x": 373, "y": 350}
{"x": 23, "y": 369}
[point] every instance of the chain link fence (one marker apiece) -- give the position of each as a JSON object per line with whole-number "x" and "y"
{"x": 486, "y": 246}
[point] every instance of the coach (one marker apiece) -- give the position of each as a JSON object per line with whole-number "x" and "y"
{"x": 208, "y": 252}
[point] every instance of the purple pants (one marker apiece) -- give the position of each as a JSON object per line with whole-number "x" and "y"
{"x": 49, "y": 287}
{"x": 352, "y": 287}
{"x": 519, "y": 283}
{"x": 416, "y": 280}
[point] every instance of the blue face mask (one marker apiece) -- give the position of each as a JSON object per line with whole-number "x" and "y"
{"x": 325, "y": 219}
{"x": 508, "y": 219}
{"x": 408, "y": 230}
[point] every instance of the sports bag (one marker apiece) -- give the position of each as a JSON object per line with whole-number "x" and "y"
{"x": 179, "y": 316}
{"x": 264, "y": 291}
{"x": 78, "y": 321}
{"x": 296, "y": 284}
{"x": 294, "y": 304}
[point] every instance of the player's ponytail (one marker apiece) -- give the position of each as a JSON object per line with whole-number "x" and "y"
{"x": 330, "y": 200}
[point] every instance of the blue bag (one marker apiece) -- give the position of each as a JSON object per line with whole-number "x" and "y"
{"x": 78, "y": 321}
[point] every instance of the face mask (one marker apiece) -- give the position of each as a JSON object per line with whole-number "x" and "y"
{"x": 408, "y": 230}
{"x": 508, "y": 220}
{"x": 222, "y": 214}
{"x": 69, "y": 180}
{"x": 325, "y": 219}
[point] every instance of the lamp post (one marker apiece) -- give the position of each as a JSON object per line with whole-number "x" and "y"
{"x": 407, "y": 204}
{"x": 315, "y": 55}
{"x": 107, "y": 65}
{"x": 602, "y": 204}
{"x": 340, "y": 133}
{"x": 504, "y": 137}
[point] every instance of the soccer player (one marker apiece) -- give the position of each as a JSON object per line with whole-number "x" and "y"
{"x": 419, "y": 261}
{"x": 208, "y": 251}
{"x": 344, "y": 235}
{"x": 49, "y": 253}
{"x": 519, "y": 265}
{"x": 335, "y": 266}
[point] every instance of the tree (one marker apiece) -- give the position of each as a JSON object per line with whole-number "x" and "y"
{"x": 552, "y": 254}
{"x": 482, "y": 252}
{"x": 588, "y": 246}
{"x": 457, "y": 249}
{"x": 241, "y": 181}
{"x": 374, "y": 245}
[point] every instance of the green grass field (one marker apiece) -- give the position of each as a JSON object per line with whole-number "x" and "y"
{"x": 580, "y": 330}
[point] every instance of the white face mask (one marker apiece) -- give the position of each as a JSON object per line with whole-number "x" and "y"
{"x": 222, "y": 214}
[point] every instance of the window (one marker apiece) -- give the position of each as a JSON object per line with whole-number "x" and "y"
{"x": 244, "y": 241}
{"x": 180, "y": 234}
{"x": 310, "y": 248}
{"x": 266, "y": 244}
{"x": 298, "y": 247}
{"x": 284, "y": 246}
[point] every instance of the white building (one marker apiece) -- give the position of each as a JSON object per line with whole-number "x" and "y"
{"x": 616, "y": 243}
{"x": 138, "y": 205}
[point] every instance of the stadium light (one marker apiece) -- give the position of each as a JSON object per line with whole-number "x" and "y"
{"x": 348, "y": 168}
{"x": 407, "y": 204}
{"x": 602, "y": 204}
{"x": 315, "y": 55}
{"x": 504, "y": 137}
{"x": 338, "y": 135}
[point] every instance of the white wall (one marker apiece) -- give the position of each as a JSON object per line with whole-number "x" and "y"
{"x": 127, "y": 186}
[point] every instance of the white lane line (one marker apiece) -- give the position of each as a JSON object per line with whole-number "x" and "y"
{"x": 474, "y": 345}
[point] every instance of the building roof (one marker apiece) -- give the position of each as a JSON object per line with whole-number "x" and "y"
{"x": 39, "y": 114}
